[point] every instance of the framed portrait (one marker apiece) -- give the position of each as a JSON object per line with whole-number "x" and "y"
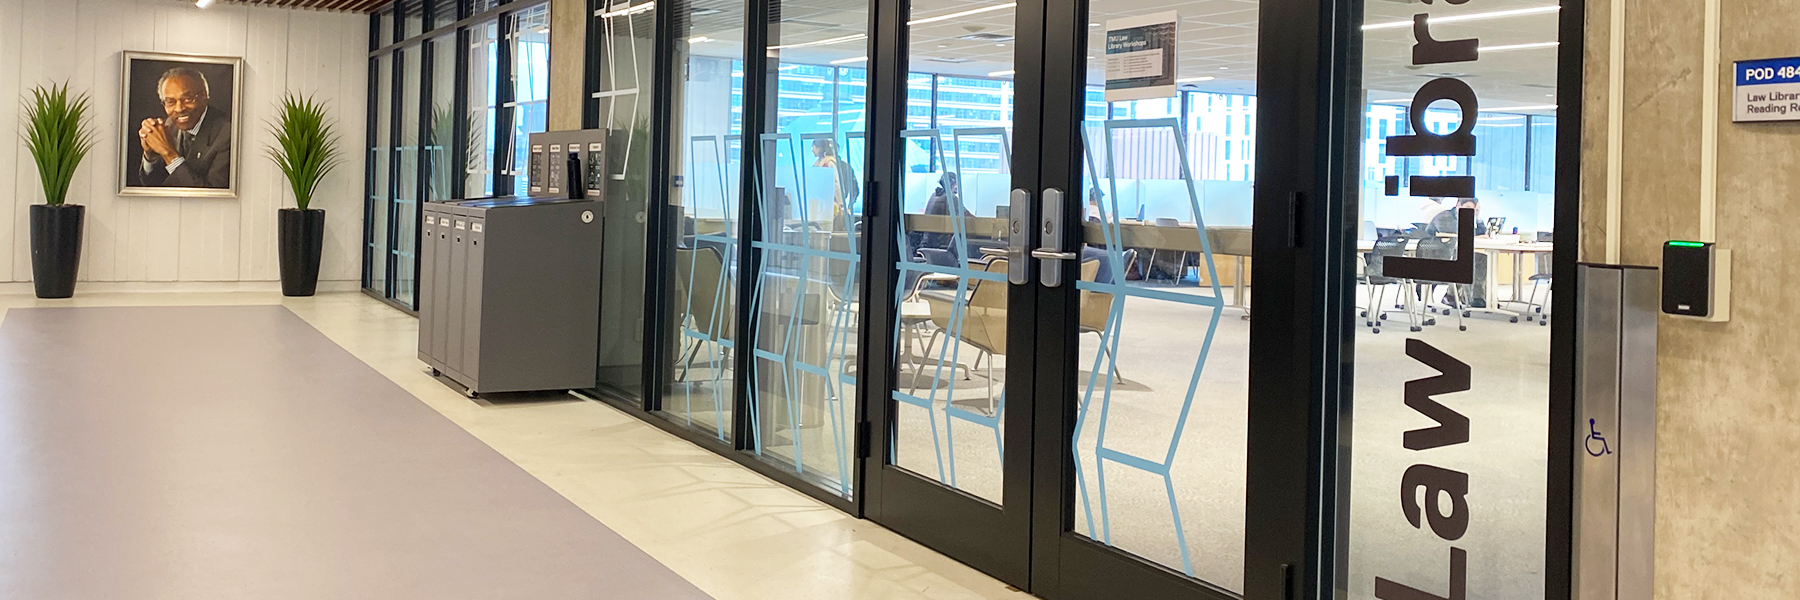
{"x": 179, "y": 125}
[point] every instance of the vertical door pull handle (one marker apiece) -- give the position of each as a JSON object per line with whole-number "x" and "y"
{"x": 1051, "y": 231}
{"x": 1018, "y": 240}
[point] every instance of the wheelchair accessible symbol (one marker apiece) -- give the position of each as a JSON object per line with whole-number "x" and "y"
{"x": 1596, "y": 443}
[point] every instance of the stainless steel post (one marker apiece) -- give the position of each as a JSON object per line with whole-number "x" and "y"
{"x": 1615, "y": 469}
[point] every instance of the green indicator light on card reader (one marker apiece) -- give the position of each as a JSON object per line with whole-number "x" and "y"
{"x": 1688, "y": 244}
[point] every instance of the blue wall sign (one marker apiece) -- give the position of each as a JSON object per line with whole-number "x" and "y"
{"x": 1766, "y": 90}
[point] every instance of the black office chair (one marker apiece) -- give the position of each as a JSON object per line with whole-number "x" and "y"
{"x": 1436, "y": 248}
{"x": 1386, "y": 247}
{"x": 1541, "y": 278}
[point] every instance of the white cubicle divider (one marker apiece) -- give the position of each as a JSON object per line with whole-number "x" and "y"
{"x": 1529, "y": 211}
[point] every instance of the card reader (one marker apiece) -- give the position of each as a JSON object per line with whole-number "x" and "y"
{"x": 1696, "y": 280}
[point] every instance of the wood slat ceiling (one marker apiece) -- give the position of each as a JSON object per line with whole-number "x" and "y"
{"x": 361, "y": 6}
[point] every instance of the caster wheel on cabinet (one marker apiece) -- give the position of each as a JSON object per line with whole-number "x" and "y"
{"x": 1416, "y": 329}
{"x": 1513, "y": 320}
{"x": 1462, "y": 327}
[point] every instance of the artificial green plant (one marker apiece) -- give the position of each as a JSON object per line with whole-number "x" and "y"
{"x": 305, "y": 145}
{"x": 57, "y": 135}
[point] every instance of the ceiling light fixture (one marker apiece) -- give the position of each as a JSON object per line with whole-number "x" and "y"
{"x": 1533, "y": 107}
{"x": 1006, "y": 73}
{"x": 203, "y": 3}
{"x": 972, "y": 11}
{"x": 1518, "y": 47}
{"x": 1517, "y": 12}
{"x": 699, "y": 39}
{"x": 845, "y": 61}
{"x": 1195, "y": 79}
{"x": 823, "y": 42}
{"x": 629, "y": 10}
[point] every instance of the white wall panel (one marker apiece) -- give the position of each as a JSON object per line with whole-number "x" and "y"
{"x": 131, "y": 239}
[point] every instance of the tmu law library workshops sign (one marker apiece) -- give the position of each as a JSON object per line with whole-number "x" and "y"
{"x": 1766, "y": 90}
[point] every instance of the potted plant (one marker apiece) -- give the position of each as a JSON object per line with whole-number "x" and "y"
{"x": 58, "y": 137}
{"x": 306, "y": 151}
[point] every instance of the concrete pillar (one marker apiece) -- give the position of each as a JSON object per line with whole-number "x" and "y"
{"x": 568, "y": 60}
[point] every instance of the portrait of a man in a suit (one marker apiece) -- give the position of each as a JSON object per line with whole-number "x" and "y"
{"x": 181, "y": 128}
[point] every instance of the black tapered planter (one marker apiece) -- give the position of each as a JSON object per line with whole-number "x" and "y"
{"x": 302, "y": 239}
{"x": 56, "y": 248}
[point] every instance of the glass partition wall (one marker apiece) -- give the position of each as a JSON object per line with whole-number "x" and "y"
{"x": 448, "y": 107}
{"x": 1460, "y": 270}
{"x": 1116, "y": 299}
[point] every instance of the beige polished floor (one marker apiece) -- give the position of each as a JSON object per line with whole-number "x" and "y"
{"x": 733, "y": 533}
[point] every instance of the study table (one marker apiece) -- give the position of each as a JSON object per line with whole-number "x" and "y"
{"x": 1494, "y": 247}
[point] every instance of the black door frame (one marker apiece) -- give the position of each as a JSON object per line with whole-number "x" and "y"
{"x": 995, "y": 540}
{"x": 1287, "y": 331}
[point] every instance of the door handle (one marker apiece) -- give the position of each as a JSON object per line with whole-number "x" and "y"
{"x": 1018, "y": 241}
{"x": 1052, "y": 236}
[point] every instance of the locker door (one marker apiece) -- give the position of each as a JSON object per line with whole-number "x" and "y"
{"x": 428, "y": 306}
{"x": 473, "y": 266}
{"x": 459, "y": 260}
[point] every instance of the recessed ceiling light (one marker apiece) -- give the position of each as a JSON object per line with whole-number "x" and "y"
{"x": 1224, "y": 68}
{"x": 203, "y": 3}
{"x": 972, "y": 11}
{"x": 1000, "y": 45}
{"x": 1468, "y": 17}
{"x": 845, "y": 61}
{"x": 943, "y": 45}
{"x": 1517, "y": 47}
{"x": 824, "y": 42}
{"x": 1093, "y": 24}
{"x": 699, "y": 39}
{"x": 1005, "y": 73}
{"x": 1195, "y": 79}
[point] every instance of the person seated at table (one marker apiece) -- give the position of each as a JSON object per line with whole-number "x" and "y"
{"x": 1428, "y": 209}
{"x": 1445, "y": 224}
{"x": 948, "y": 192}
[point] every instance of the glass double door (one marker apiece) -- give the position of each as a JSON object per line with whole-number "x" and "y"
{"x": 1068, "y": 229}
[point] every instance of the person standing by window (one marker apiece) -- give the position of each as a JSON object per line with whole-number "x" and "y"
{"x": 825, "y": 154}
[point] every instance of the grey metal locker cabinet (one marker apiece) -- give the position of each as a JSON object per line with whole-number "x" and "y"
{"x": 533, "y": 311}
{"x": 427, "y": 303}
{"x": 473, "y": 292}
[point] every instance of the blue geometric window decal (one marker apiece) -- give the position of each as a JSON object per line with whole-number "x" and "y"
{"x": 969, "y": 278}
{"x": 708, "y": 334}
{"x": 1106, "y": 363}
{"x": 795, "y": 262}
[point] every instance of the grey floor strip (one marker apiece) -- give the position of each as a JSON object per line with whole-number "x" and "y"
{"x": 236, "y": 452}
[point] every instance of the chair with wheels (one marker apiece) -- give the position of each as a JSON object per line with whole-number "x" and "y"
{"x": 1389, "y": 246}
